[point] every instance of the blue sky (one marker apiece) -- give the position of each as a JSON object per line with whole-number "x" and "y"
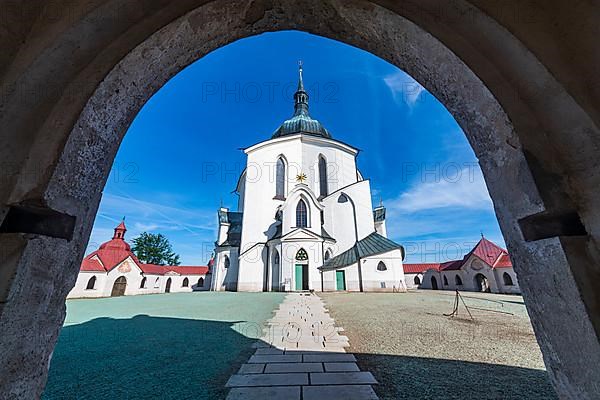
{"x": 180, "y": 157}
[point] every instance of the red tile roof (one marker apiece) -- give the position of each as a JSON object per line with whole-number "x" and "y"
{"x": 115, "y": 251}
{"x": 490, "y": 253}
{"x": 452, "y": 265}
{"x": 91, "y": 264}
{"x": 503, "y": 261}
{"x": 487, "y": 251}
{"x": 178, "y": 269}
{"x": 419, "y": 268}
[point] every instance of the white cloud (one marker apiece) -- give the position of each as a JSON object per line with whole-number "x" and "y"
{"x": 404, "y": 87}
{"x": 467, "y": 192}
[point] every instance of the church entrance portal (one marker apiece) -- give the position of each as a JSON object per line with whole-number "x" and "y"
{"x": 482, "y": 284}
{"x": 301, "y": 276}
{"x": 168, "y": 287}
{"x": 340, "y": 280}
{"x": 119, "y": 287}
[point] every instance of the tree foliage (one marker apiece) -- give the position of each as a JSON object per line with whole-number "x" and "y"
{"x": 154, "y": 248}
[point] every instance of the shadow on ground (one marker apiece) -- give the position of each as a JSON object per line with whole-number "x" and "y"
{"x": 402, "y": 377}
{"x": 147, "y": 357}
{"x": 171, "y": 358}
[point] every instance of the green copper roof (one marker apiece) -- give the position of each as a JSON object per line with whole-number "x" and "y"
{"x": 371, "y": 245}
{"x": 301, "y": 121}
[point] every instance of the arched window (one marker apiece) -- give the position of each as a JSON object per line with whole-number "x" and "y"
{"x": 157, "y": 283}
{"x": 323, "y": 188}
{"x": 91, "y": 283}
{"x": 381, "y": 266}
{"x": 143, "y": 283}
{"x": 327, "y": 255}
{"x": 457, "y": 281}
{"x": 186, "y": 282}
{"x": 507, "y": 279}
{"x": 301, "y": 215}
{"x": 417, "y": 280}
{"x": 201, "y": 282}
{"x": 445, "y": 281}
{"x": 280, "y": 179}
{"x": 275, "y": 257}
{"x": 226, "y": 262}
{"x": 302, "y": 255}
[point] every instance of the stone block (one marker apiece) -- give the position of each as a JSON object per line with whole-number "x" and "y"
{"x": 333, "y": 357}
{"x": 261, "y": 393}
{"x": 275, "y": 359}
{"x": 251, "y": 369}
{"x": 340, "y": 392}
{"x": 293, "y": 367}
{"x": 341, "y": 367}
{"x": 342, "y": 378}
{"x": 291, "y": 379}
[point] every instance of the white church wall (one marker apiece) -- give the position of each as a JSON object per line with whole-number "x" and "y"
{"x": 251, "y": 269}
{"x": 288, "y": 263}
{"x": 225, "y": 278}
{"x": 426, "y": 283}
{"x": 474, "y": 266}
{"x": 339, "y": 219}
{"x": 410, "y": 280}
{"x": 80, "y": 289}
{"x": 340, "y": 163}
{"x": 383, "y": 281}
{"x": 508, "y": 289}
{"x": 300, "y": 192}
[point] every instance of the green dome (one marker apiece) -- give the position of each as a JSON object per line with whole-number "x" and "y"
{"x": 301, "y": 122}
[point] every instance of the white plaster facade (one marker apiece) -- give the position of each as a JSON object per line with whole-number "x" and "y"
{"x": 113, "y": 270}
{"x": 486, "y": 268}
{"x": 303, "y": 204}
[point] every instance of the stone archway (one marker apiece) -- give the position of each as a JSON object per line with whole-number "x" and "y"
{"x": 482, "y": 283}
{"x": 524, "y": 109}
{"x": 119, "y": 287}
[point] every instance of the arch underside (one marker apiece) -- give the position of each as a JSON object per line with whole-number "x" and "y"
{"x": 100, "y": 92}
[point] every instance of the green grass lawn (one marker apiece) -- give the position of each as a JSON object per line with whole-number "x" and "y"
{"x": 166, "y": 346}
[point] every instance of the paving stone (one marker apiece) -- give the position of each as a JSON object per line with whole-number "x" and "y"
{"x": 335, "y": 357}
{"x": 252, "y": 369}
{"x": 275, "y": 359}
{"x": 268, "y": 351}
{"x": 291, "y": 379}
{"x": 339, "y": 392}
{"x": 342, "y": 378}
{"x": 262, "y": 393}
{"x": 341, "y": 367}
{"x": 293, "y": 367}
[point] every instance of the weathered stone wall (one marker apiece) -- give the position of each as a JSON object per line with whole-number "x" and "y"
{"x": 521, "y": 81}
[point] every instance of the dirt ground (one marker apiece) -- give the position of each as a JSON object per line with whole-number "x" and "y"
{"x": 416, "y": 352}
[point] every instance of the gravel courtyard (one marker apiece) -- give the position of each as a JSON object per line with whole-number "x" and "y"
{"x": 416, "y": 352}
{"x": 167, "y": 346}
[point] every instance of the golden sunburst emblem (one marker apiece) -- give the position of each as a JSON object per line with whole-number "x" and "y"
{"x": 301, "y": 177}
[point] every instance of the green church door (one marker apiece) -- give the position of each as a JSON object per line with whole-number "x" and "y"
{"x": 340, "y": 280}
{"x": 301, "y": 276}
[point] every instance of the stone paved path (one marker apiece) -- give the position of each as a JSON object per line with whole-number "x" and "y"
{"x": 301, "y": 356}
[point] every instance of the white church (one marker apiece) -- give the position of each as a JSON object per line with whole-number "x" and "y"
{"x": 305, "y": 218}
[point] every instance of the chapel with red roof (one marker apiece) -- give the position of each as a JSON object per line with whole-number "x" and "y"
{"x": 114, "y": 270}
{"x": 486, "y": 268}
